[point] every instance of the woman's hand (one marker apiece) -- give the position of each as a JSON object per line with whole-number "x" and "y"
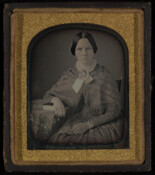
{"x": 59, "y": 108}
{"x": 80, "y": 128}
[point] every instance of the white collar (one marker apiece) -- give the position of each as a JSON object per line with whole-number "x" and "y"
{"x": 80, "y": 67}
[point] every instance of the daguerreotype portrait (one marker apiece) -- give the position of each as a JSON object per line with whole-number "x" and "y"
{"x": 76, "y": 87}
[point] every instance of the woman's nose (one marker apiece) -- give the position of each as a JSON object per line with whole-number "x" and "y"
{"x": 84, "y": 51}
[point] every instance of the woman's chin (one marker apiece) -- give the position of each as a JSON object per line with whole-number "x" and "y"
{"x": 85, "y": 62}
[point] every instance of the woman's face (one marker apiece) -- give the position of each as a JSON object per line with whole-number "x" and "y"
{"x": 84, "y": 51}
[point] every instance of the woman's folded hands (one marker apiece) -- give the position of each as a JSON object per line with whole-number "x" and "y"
{"x": 77, "y": 128}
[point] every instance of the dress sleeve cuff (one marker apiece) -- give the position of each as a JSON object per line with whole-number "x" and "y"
{"x": 54, "y": 99}
{"x": 90, "y": 123}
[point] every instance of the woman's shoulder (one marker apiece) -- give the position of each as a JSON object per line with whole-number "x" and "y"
{"x": 71, "y": 71}
{"x": 102, "y": 71}
{"x": 105, "y": 78}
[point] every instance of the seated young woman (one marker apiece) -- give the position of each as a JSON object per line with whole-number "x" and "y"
{"x": 87, "y": 99}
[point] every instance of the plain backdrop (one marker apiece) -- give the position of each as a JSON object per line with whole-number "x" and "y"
{"x": 51, "y": 56}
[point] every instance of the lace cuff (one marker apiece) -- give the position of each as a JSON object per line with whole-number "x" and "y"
{"x": 55, "y": 100}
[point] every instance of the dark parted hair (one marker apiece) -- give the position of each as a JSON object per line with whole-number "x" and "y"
{"x": 82, "y": 35}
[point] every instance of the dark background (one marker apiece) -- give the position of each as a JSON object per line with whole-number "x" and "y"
{"x": 51, "y": 56}
{"x": 2, "y": 171}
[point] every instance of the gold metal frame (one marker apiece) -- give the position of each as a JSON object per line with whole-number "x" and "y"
{"x": 25, "y": 24}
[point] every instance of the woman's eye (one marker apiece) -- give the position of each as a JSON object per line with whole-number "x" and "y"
{"x": 79, "y": 48}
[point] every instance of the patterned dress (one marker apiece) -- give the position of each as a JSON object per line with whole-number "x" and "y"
{"x": 97, "y": 101}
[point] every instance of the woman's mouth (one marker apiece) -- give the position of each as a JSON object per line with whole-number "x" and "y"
{"x": 83, "y": 57}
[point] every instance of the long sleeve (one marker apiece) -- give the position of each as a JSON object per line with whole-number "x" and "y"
{"x": 108, "y": 96}
{"x": 59, "y": 89}
{"x": 48, "y": 96}
{"x": 113, "y": 112}
{"x": 63, "y": 90}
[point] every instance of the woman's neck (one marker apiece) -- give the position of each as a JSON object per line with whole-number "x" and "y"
{"x": 88, "y": 67}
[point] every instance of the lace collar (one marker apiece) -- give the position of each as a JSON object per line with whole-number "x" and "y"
{"x": 80, "y": 67}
